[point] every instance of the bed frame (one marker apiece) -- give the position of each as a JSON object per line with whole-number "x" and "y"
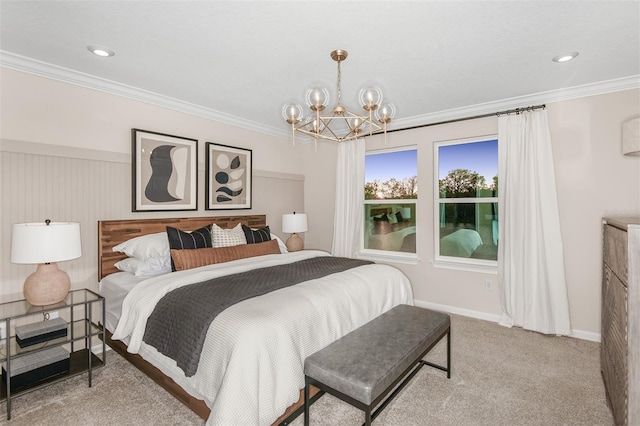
{"x": 114, "y": 232}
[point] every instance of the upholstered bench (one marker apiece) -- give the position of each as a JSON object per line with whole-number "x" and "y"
{"x": 362, "y": 367}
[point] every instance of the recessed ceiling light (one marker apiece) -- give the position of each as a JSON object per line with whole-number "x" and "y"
{"x": 565, "y": 57}
{"x": 100, "y": 51}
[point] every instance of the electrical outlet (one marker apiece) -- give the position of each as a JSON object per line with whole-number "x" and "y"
{"x": 488, "y": 285}
{"x": 50, "y": 315}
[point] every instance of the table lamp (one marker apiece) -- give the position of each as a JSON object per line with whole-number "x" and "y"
{"x": 293, "y": 224}
{"x": 45, "y": 243}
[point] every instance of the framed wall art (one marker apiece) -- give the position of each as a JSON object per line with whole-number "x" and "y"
{"x": 164, "y": 172}
{"x": 228, "y": 177}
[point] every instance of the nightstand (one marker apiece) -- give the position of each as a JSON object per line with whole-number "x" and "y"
{"x": 79, "y": 309}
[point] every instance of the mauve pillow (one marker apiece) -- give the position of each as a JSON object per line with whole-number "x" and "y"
{"x": 188, "y": 259}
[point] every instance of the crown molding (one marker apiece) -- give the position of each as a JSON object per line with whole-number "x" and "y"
{"x": 54, "y": 72}
{"x": 564, "y": 94}
{"x": 66, "y": 75}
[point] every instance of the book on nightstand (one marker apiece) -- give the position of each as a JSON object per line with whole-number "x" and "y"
{"x": 38, "y": 332}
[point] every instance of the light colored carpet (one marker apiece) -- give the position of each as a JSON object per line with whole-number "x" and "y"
{"x": 500, "y": 376}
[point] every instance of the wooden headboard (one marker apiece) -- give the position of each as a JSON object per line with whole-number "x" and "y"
{"x": 113, "y": 232}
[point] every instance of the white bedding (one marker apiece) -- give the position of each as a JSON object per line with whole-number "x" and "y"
{"x": 114, "y": 288}
{"x": 251, "y": 366}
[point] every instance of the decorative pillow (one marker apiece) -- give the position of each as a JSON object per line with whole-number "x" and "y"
{"x": 281, "y": 244}
{"x": 145, "y": 246}
{"x": 256, "y": 235}
{"x": 200, "y": 238}
{"x": 188, "y": 259}
{"x": 227, "y": 237}
{"x": 145, "y": 268}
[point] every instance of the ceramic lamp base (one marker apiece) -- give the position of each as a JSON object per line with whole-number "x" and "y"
{"x": 295, "y": 243}
{"x": 47, "y": 285}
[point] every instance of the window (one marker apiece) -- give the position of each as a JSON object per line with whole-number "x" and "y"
{"x": 466, "y": 203}
{"x": 390, "y": 192}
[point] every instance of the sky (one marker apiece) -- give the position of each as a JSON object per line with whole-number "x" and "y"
{"x": 387, "y": 165}
{"x": 481, "y": 157}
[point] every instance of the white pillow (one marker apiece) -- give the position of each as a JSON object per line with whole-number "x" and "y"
{"x": 392, "y": 218}
{"x": 281, "y": 244}
{"x": 227, "y": 237}
{"x": 145, "y": 268}
{"x": 146, "y": 246}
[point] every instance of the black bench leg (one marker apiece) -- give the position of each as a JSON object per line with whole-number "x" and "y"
{"x": 306, "y": 403}
{"x": 367, "y": 417}
{"x": 449, "y": 354}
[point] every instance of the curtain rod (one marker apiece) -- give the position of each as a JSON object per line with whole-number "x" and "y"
{"x": 499, "y": 113}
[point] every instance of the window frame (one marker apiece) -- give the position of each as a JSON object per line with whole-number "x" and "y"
{"x": 454, "y": 262}
{"x": 390, "y": 255}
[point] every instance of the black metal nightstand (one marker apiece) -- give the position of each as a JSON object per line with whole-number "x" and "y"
{"x": 83, "y": 310}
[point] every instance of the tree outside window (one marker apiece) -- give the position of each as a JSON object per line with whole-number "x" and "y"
{"x": 467, "y": 201}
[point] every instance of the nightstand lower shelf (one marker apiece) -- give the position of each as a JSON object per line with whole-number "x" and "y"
{"x": 78, "y": 364}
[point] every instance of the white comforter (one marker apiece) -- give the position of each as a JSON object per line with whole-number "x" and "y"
{"x": 251, "y": 366}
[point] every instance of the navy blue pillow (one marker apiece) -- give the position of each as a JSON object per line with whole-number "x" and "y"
{"x": 200, "y": 238}
{"x": 261, "y": 235}
{"x": 181, "y": 240}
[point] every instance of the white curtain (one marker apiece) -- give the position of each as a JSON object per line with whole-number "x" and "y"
{"x": 348, "y": 215}
{"x": 531, "y": 270}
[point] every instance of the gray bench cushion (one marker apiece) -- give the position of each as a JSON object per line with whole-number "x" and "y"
{"x": 365, "y": 362}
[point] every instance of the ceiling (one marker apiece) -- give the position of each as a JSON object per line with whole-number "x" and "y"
{"x": 239, "y": 62}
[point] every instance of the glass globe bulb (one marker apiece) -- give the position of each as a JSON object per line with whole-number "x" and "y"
{"x": 356, "y": 125}
{"x": 385, "y": 113}
{"x": 311, "y": 124}
{"x": 370, "y": 98}
{"x": 292, "y": 113}
{"x": 317, "y": 98}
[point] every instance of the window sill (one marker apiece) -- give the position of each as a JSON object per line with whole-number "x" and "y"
{"x": 466, "y": 266}
{"x": 406, "y": 258}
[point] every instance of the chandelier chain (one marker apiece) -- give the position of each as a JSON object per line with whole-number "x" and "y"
{"x": 339, "y": 88}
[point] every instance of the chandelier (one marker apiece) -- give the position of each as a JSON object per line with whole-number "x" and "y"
{"x": 340, "y": 124}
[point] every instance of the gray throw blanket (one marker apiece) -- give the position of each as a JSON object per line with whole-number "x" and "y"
{"x": 179, "y": 323}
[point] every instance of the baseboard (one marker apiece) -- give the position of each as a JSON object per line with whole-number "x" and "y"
{"x": 586, "y": 335}
{"x": 578, "y": 334}
{"x": 458, "y": 311}
{"x": 97, "y": 349}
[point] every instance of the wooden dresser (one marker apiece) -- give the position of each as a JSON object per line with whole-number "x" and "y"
{"x": 620, "y": 347}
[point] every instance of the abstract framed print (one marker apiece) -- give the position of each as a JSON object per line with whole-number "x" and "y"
{"x": 228, "y": 177}
{"x": 164, "y": 172}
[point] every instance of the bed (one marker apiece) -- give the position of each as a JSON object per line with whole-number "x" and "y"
{"x": 250, "y": 367}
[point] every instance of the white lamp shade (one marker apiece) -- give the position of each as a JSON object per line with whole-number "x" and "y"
{"x": 631, "y": 137}
{"x": 293, "y": 223}
{"x": 406, "y": 212}
{"x": 42, "y": 243}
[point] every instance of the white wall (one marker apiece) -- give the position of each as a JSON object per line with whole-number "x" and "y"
{"x": 65, "y": 154}
{"x": 593, "y": 178}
